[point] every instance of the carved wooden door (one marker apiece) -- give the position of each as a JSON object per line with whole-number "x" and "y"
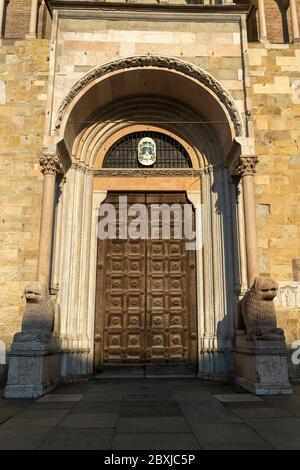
{"x": 146, "y": 294}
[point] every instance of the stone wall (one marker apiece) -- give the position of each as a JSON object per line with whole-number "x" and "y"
{"x": 82, "y": 46}
{"x": 23, "y": 88}
{"x": 274, "y": 73}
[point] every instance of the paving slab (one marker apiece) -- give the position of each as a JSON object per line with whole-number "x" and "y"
{"x": 195, "y": 412}
{"x": 88, "y": 407}
{"x": 52, "y": 405}
{"x": 61, "y": 397}
{"x": 31, "y": 422}
{"x": 155, "y": 442}
{"x": 281, "y": 433}
{"x": 95, "y": 420}
{"x": 237, "y": 397}
{"x": 149, "y": 397}
{"x": 227, "y": 434}
{"x": 151, "y": 425}
{"x": 144, "y": 409}
{"x": 22, "y": 438}
{"x": 103, "y": 396}
{"x": 78, "y": 439}
{"x": 263, "y": 411}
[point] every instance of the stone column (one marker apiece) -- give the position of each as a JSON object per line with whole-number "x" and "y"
{"x": 245, "y": 169}
{"x": 294, "y": 18}
{"x": 2, "y": 5}
{"x": 50, "y": 167}
{"x": 262, "y": 20}
{"x": 33, "y": 18}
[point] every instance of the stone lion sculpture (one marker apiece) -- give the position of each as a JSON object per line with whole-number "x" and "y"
{"x": 39, "y": 310}
{"x": 258, "y": 311}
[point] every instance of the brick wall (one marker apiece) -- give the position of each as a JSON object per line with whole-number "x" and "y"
{"x": 278, "y": 19}
{"x": 17, "y": 18}
{"x": 23, "y": 88}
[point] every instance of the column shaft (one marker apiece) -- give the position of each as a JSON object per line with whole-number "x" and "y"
{"x": 250, "y": 228}
{"x": 294, "y": 18}
{"x": 33, "y": 18}
{"x": 2, "y": 4}
{"x": 50, "y": 165}
{"x": 46, "y": 229}
{"x": 262, "y": 20}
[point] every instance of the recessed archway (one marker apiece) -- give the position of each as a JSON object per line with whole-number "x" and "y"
{"x": 179, "y": 100}
{"x": 163, "y": 77}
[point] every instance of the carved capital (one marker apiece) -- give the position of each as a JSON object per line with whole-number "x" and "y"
{"x": 246, "y": 166}
{"x": 50, "y": 165}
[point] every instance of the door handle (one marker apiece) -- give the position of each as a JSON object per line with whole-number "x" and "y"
{"x": 194, "y": 336}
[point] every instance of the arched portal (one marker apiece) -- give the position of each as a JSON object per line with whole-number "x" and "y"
{"x": 152, "y": 96}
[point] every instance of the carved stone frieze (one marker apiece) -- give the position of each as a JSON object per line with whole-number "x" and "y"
{"x": 150, "y": 173}
{"x": 163, "y": 63}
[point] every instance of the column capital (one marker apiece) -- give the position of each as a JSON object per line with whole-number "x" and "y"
{"x": 245, "y": 166}
{"x": 50, "y": 165}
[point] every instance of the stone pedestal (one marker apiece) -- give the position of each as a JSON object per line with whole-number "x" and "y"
{"x": 34, "y": 365}
{"x": 261, "y": 366}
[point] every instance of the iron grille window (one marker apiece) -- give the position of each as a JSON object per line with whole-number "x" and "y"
{"x": 169, "y": 152}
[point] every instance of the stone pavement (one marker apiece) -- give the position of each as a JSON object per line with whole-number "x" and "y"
{"x": 150, "y": 414}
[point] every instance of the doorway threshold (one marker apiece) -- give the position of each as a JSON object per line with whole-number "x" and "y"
{"x": 147, "y": 370}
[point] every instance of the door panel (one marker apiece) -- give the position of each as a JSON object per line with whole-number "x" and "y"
{"x": 120, "y": 298}
{"x": 146, "y": 312}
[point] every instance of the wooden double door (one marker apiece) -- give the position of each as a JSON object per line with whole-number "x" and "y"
{"x": 146, "y": 291}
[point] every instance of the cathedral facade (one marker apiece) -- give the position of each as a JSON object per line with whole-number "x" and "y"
{"x": 193, "y": 103}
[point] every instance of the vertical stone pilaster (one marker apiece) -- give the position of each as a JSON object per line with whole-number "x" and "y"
{"x": 245, "y": 169}
{"x": 294, "y": 18}
{"x": 262, "y": 20}
{"x": 2, "y": 5}
{"x": 33, "y": 19}
{"x": 50, "y": 167}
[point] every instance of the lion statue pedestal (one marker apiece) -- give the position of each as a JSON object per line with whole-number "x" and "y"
{"x": 260, "y": 350}
{"x": 34, "y": 358}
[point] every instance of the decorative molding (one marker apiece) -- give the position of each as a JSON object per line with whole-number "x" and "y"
{"x": 288, "y": 296}
{"x": 160, "y": 62}
{"x": 246, "y": 166}
{"x": 50, "y": 165}
{"x": 144, "y": 173}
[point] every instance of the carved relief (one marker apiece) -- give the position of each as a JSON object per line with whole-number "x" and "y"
{"x": 288, "y": 295}
{"x": 246, "y": 166}
{"x": 142, "y": 173}
{"x": 50, "y": 165}
{"x": 163, "y": 63}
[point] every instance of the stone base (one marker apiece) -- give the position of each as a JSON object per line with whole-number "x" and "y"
{"x": 261, "y": 366}
{"x": 34, "y": 368}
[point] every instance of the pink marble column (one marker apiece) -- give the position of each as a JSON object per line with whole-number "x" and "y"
{"x": 50, "y": 167}
{"x": 245, "y": 169}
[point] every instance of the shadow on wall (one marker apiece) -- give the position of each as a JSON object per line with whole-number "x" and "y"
{"x": 217, "y": 358}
